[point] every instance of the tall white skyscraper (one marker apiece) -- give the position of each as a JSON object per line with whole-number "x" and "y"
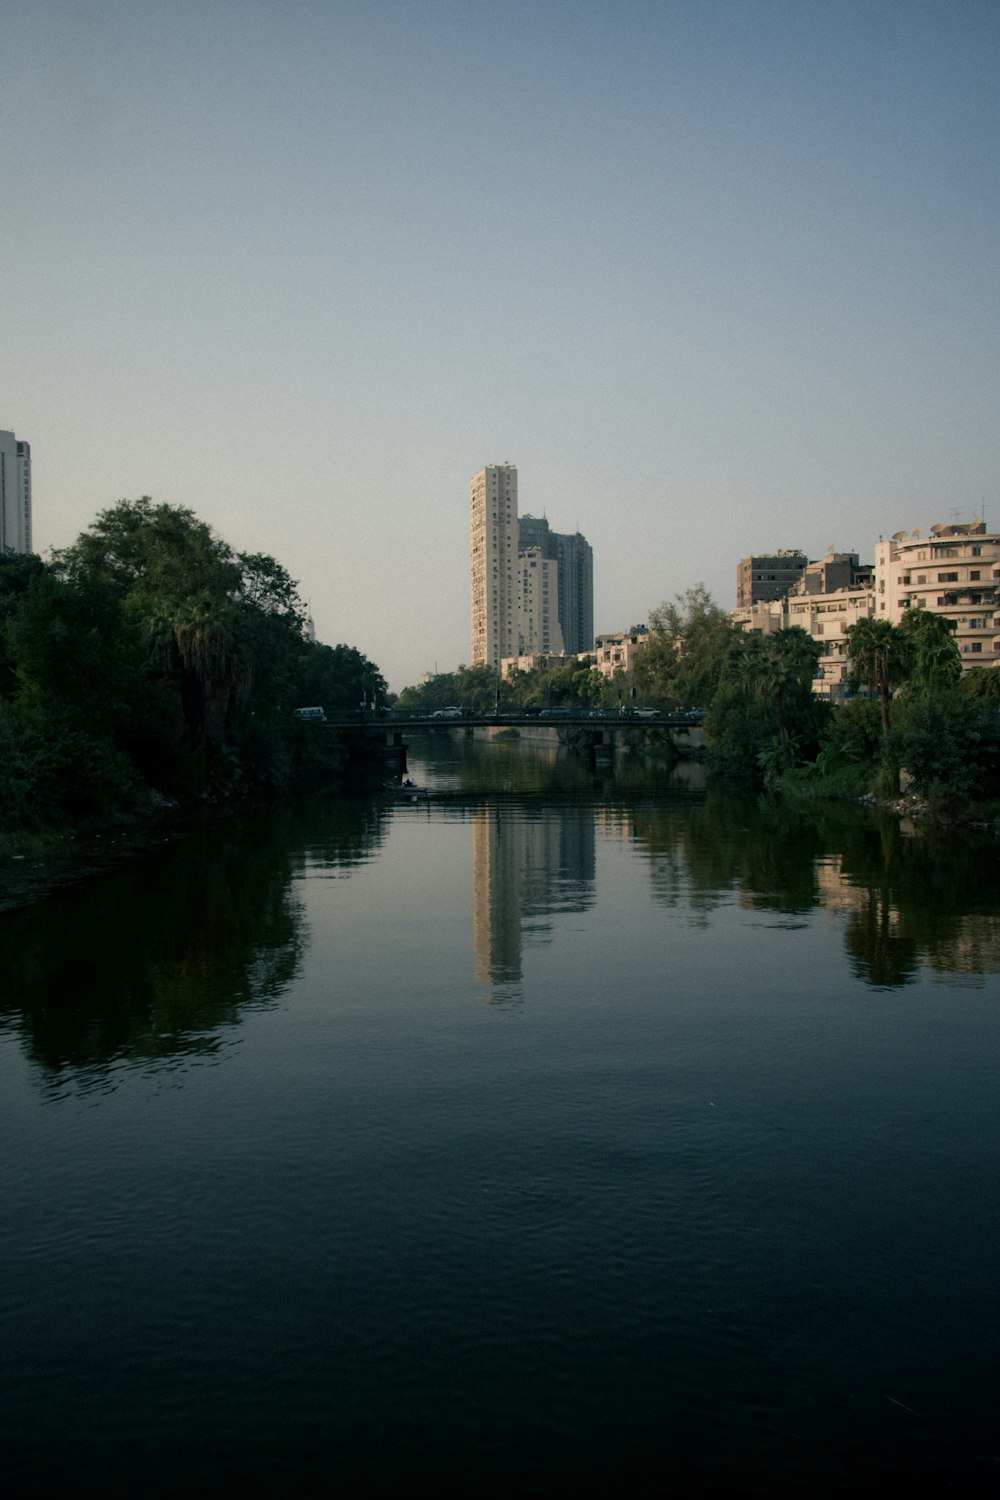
{"x": 15, "y": 494}
{"x": 495, "y": 574}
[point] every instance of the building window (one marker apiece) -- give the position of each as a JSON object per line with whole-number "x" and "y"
{"x": 947, "y": 578}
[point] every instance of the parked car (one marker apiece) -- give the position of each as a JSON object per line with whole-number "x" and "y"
{"x": 447, "y": 713}
{"x": 647, "y": 713}
{"x": 561, "y": 711}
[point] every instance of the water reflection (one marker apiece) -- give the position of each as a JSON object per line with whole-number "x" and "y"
{"x": 157, "y": 961}
{"x": 912, "y": 899}
{"x": 155, "y": 964}
{"x": 524, "y": 869}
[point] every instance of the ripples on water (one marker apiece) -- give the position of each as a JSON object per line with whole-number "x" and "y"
{"x": 597, "y": 1134}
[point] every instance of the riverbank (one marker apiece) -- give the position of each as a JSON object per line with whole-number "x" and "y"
{"x": 34, "y": 865}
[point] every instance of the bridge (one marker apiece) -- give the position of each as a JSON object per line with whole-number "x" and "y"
{"x": 684, "y": 718}
{"x": 588, "y": 730}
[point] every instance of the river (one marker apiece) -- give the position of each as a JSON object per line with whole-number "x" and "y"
{"x": 556, "y": 1131}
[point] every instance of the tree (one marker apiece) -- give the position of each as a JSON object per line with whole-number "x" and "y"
{"x": 881, "y": 658}
{"x": 982, "y": 682}
{"x": 778, "y": 670}
{"x": 337, "y": 678}
{"x": 687, "y": 651}
{"x": 764, "y": 712}
{"x": 936, "y": 662}
{"x": 155, "y": 555}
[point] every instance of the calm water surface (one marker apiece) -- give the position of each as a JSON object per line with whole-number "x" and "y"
{"x": 551, "y": 1132}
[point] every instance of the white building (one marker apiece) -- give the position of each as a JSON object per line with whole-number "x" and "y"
{"x": 538, "y": 625}
{"x": 495, "y": 575}
{"x": 953, "y": 571}
{"x": 15, "y": 494}
{"x": 827, "y": 618}
{"x": 615, "y": 651}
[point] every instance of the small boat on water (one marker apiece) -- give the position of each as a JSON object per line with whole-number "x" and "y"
{"x": 405, "y": 790}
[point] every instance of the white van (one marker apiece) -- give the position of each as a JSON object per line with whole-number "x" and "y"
{"x": 311, "y": 713}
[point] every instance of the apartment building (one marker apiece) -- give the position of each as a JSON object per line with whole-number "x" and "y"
{"x": 15, "y": 494}
{"x": 828, "y": 596}
{"x": 615, "y": 651}
{"x": 574, "y": 599}
{"x": 532, "y": 588}
{"x": 954, "y": 571}
{"x": 538, "y": 619}
{"x": 495, "y": 574}
{"x": 827, "y": 617}
{"x": 835, "y": 571}
{"x": 768, "y": 575}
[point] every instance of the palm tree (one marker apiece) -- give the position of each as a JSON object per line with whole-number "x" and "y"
{"x": 881, "y": 657}
{"x": 215, "y": 671}
{"x": 778, "y": 670}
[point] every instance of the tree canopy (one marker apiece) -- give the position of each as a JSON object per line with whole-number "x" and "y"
{"x": 151, "y": 654}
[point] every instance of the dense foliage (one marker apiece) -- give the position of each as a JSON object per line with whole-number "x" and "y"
{"x": 479, "y": 690}
{"x": 151, "y": 657}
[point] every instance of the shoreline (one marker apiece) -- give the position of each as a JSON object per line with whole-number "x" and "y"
{"x": 39, "y": 865}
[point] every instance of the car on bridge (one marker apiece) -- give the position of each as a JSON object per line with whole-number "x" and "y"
{"x": 559, "y": 712}
{"x": 447, "y": 713}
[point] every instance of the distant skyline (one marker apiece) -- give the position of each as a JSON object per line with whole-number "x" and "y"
{"x": 717, "y": 277}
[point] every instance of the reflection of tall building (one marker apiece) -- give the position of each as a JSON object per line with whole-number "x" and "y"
{"x": 523, "y": 871}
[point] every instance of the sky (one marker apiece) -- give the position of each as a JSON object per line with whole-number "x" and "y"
{"x": 718, "y": 277}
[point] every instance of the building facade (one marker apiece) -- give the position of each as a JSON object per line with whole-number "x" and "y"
{"x": 827, "y": 617}
{"x": 835, "y": 571}
{"x": 538, "y": 619}
{"x": 575, "y": 559}
{"x": 615, "y": 651}
{"x": 829, "y": 596}
{"x": 768, "y": 575}
{"x": 15, "y": 494}
{"x": 953, "y": 571}
{"x": 495, "y": 574}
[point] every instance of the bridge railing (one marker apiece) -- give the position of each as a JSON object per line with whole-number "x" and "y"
{"x": 583, "y": 717}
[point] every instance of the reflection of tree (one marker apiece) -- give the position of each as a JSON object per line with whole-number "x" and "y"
{"x": 699, "y": 849}
{"x": 154, "y": 960}
{"x": 883, "y": 955}
{"x": 910, "y": 901}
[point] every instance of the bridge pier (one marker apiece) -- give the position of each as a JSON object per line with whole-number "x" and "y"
{"x": 394, "y": 753}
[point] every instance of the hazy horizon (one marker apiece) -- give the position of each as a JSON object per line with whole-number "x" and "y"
{"x": 718, "y": 278}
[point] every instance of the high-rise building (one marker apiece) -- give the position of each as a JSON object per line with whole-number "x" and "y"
{"x": 538, "y": 620}
{"x": 575, "y": 559}
{"x": 495, "y": 573}
{"x": 15, "y": 494}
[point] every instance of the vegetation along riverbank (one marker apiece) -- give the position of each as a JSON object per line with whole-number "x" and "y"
{"x": 150, "y": 666}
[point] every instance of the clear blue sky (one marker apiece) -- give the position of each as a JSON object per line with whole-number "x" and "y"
{"x": 718, "y": 277}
